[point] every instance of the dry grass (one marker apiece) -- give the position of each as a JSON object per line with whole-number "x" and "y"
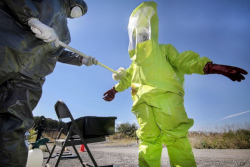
{"x": 50, "y": 136}
{"x": 53, "y": 136}
{"x": 229, "y": 137}
{"x": 121, "y": 140}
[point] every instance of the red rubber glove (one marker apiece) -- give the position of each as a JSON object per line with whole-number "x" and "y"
{"x": 234, "y": 73}
{"x": 110, "y": 94}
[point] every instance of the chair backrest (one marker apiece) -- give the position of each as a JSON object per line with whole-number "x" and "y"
{"x": 62, "y": 110}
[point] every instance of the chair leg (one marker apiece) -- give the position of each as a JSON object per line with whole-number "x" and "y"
{"x": 60, "y": 155}
{"x": 90, "y": 154}
{"x": 50, "y": 154}
{"x": 47, "y": 148}
{"x": 78, "y": 156}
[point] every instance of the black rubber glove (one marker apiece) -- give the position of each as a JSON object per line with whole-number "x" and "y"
{"x": 110, "y": 94}
{"x": 234, "y": 73}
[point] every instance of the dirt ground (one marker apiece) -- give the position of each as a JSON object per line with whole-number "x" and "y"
{"x": 127, "y": 156}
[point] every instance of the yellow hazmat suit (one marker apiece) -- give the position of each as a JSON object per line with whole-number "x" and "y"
{"x": 156, "y": 77}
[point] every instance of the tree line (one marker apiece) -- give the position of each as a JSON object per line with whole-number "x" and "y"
{"x": 48, "y": 123}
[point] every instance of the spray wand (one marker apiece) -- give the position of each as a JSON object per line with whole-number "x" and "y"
{"x": 117, "y": 75}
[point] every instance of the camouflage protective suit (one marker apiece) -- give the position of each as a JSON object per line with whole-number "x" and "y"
{"x": 24, "y": 62}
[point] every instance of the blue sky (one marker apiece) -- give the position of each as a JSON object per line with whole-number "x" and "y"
{"x": 216, "y": 29}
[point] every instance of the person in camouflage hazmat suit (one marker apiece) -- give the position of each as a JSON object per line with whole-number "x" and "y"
{"x": 25, "y": 60}
{"x": 156, "y": 77}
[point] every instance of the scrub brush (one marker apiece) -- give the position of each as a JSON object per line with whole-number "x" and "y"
{"x": 117, "y": 75}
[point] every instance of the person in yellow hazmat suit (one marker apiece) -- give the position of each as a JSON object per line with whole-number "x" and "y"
{"x": 156, "y": 76}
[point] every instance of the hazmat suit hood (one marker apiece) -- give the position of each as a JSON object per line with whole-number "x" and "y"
{"x": 73, "y": 3}
{"x": 142, "y": 27}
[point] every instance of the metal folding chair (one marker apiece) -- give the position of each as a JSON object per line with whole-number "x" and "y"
{"x": 62, "y": 112}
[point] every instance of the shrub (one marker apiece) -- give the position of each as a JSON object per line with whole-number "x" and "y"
{"x": 127, "y": 129}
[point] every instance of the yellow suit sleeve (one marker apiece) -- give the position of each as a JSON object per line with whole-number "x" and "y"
{"x": 125, "y": 82}
{"x": 188, "y": 62}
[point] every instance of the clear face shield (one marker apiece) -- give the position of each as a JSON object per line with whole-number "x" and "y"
{"x": 139, "y": 27}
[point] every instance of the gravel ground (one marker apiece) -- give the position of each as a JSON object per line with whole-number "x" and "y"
{"x": 126, "y": 156}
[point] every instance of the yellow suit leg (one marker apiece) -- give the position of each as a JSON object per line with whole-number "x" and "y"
{"x": 174, "y": 124}
{"x": 150, "y": 146}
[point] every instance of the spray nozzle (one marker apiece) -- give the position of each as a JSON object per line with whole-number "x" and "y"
{"x": 39, "y": 142}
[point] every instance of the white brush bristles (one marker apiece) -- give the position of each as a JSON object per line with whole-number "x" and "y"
{"x": 121, "y": 73}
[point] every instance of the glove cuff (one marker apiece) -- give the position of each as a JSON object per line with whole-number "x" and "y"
{"x": 208, "y": 67}
{"x": 114, "y": 91}
{"x": 31, "y": 20}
